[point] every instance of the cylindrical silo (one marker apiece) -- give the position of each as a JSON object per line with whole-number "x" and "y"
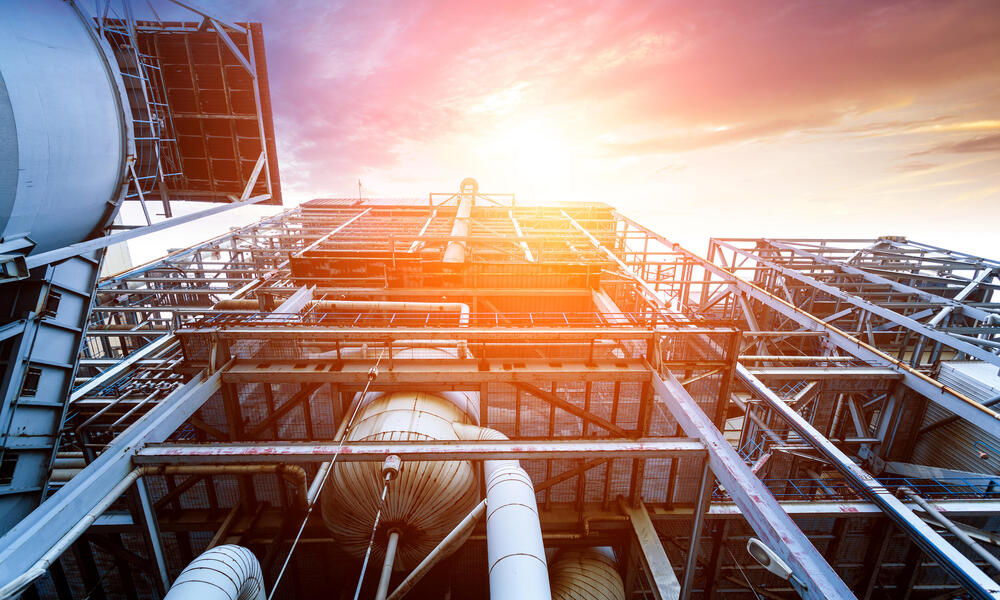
{"x": 64, "y": 134}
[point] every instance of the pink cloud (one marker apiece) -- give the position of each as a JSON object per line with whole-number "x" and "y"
{"x": 356, "y": 85}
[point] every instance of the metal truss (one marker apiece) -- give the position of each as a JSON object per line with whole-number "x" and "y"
{"x": 595, "y": 344}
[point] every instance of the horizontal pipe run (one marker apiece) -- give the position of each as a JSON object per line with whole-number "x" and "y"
{"x": 304, "y": 452}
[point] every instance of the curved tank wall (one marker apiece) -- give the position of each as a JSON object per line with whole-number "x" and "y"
{"x": 63, "y": 134}
{"x": 425, "y": 501}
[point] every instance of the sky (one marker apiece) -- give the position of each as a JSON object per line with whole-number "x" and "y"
{"x": 699, "y": 118}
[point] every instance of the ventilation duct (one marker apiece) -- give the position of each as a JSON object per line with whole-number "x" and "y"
{"x": 222, "y": 573}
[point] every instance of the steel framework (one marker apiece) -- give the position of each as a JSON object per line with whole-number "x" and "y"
{"x": 667, "y": 405}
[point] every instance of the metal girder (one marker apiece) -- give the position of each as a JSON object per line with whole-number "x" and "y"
{"x": 816, "y": 579}
{"x": 300, "y": 452}
{"x": 701, "y": 508}
{"x": 571, "y": 408}
{"x": 927, "y": 472}
{"x": 77, "y": 249}
{"x": 971, "y": 577}
{"x": 119, "y": 368}
{"x": 662, "y": 579}
{"x": 888, "y": 314}
{"x": 566, "y": 517}
{"x": 389, "y": 334}
{"x": 36, "y": 534}
{"x": 952, "y": 304}
{"x": 934, "y": 391}
{"x": 447, "y": 374}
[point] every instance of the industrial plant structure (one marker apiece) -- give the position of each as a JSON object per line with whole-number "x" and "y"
{"x": 454, "y": 396}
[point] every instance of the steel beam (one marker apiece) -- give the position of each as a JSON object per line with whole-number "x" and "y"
{"x": 820, "y": 373}
{"x": 446, "y": 374}
{"x": 36, "y": 534}
{"x": 301, "y": 452}
{"x": 109, "y": 375}
{"x": 815, "y": 578}
{"x": 77, "y": 249}
{"x": 888, "y": 314}
{"x": 971, "y": 577}
{"x": 949, "y": 303}
{"x": 662, "y": 579}
{"x": 701, "y": 508}
{"x": 934, "y": 391}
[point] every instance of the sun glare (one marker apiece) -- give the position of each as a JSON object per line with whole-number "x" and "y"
{"x": 531, "y": 156}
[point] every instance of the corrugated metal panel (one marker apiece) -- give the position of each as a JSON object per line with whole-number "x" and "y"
{"x": 953, "y": 446}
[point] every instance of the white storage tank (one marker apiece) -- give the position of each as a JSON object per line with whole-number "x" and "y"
{"x": 64, "y": 134}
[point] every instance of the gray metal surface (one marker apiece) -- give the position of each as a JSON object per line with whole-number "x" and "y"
{"x": 39, "y": 376}
{"x": 953, "y": 446}
{"x": 70, "y": 140}
{"x": 27, "y": 542}
{"x": 761, "y": 510}
{"x": 954, "y": 562}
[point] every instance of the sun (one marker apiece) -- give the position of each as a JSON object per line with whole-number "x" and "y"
{"x": 530, "y": 155}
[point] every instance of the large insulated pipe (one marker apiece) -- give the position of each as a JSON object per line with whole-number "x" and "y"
{"x": 513, "y": 534}
{"x": 586, "y": 574}
{"x": 454, "y": 253}
{"x": 222, "y": 573}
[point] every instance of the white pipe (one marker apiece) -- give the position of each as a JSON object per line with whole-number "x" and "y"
{"x": 295, "y": 474}
{"x": 513, "y": 534}
{"x": 455, "y": 251}
{"x": 222, "y": 573}
{"x": 390, "y": 556}
{"x": 444, "y": 549}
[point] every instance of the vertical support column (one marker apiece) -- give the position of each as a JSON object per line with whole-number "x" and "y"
{"x": 153, "y": 532}
{"x": 455, "y": 252}
{"x": 697, "y": 522}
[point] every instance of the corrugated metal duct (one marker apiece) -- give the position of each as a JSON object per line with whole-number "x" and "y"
{"x": 424, "y": 502}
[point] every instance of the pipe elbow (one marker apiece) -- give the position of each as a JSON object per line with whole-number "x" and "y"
{"x": 468, "y": 432}
{"x": 226, "y": 572}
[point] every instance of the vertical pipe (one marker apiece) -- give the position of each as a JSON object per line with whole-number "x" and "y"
{"x": 514, "y": 545}
{"x": 390, "y": 557}
{"x": 455, "y": 252}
